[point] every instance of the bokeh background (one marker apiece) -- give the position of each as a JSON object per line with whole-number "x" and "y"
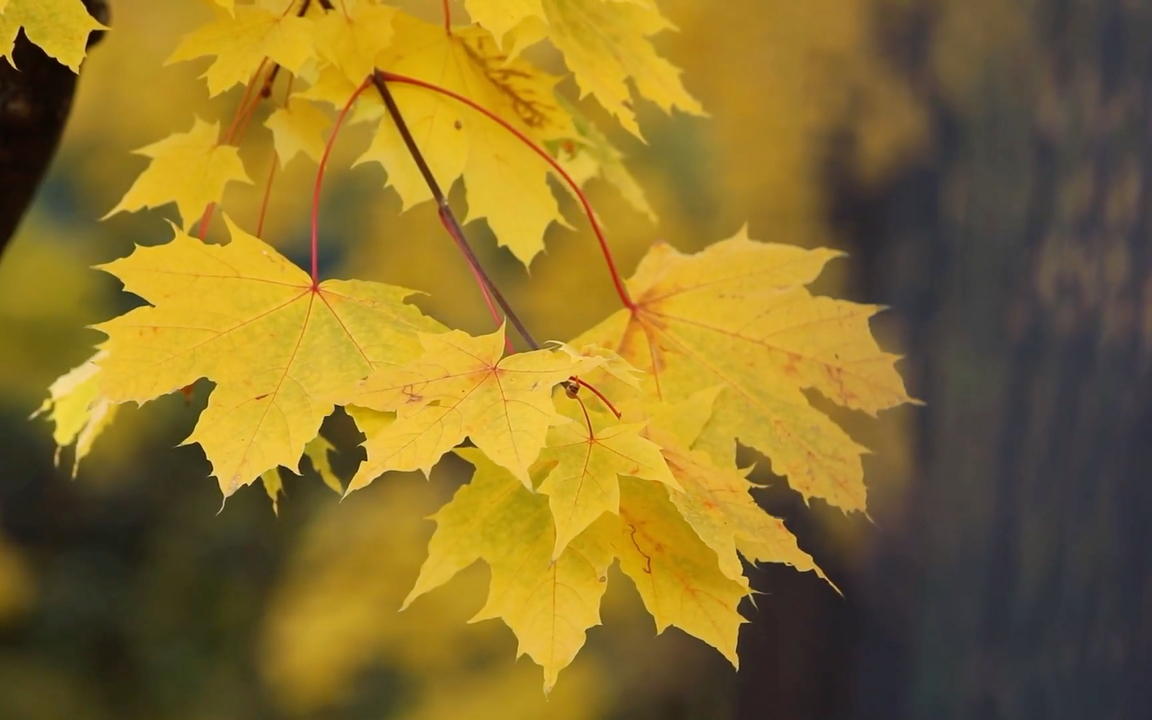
{"x": 988, "y": 167}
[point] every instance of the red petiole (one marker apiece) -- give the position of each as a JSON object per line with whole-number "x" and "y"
{"x": 320, "y": 179}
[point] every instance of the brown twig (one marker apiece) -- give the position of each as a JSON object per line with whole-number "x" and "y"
{"x": 447, "y": 217}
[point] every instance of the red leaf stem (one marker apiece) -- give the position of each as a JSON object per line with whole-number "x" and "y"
{"x": 320, "y": 180}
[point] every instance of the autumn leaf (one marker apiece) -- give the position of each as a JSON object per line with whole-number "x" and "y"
{"x": 462, "y": 386}
{"x": 77, "y": 409}
{"x": 319, "y": 452}
{"x": 352, "y": 37}
{"x": 59, "y": 27}
{"x": 605, "y": 44}
{"x": 276, "y": 346}
{"x": 717, "y": 500}
{"x": 591, "y": 155}
{"x": 190, "y": 169}
{"x": 549, "y": 604}
{"x": 240, "y": 38}
{"x": 584, "y": 484}
{"x": 675, "y": 572}
{"x": 298, "y": 127}
{"x": 506, "y": 182}
{"x": 737, "y": 316}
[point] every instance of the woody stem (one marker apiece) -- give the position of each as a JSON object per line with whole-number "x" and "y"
{"x": 451, "y": 224}
{"x": 617, "y": 279}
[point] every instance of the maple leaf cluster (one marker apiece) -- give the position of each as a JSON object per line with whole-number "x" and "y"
{"x": 617, "y": 447}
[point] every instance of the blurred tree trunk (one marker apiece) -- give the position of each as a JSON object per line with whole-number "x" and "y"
{"x": 1019, "y": 582}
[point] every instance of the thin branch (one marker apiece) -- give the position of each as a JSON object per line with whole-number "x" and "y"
{"x": 446, "y": 216}
{"x": 617, "y": 280}
{"x": 447, "y": 17}
{"x": 488, "y": 301}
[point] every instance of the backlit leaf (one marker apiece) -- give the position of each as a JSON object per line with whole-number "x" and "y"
{"x": 353, "y": 35}
{"x": 585, "y": 482}
{"x": 506, "y": 181}
{"x": 674, "y": 570}
{"x": 245, "y": 318}
{"x": 500, "y": 16}
{"x": 737, "y": 316}
{"x": 77, "y": 409}
{"x": 240, "y": 39}
{"x": 605, "y": 44}
{"x": 463, "y": 386}
{"x": 549, "y": 604}
{"x": 298, "y": 128}
{"x": 59, "y": 27}
{"x": 190, "y": 169}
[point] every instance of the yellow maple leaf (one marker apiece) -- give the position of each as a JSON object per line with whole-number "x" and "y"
{"x": 675, "y": 572}
{"x": 298, "y": 127}
{"x": 59, "y": 27}
{"x": 190, "y": 169}
{"x": 605, "y": 44}
{"x": 737, "y": 316}
{"x": 462, "y": 386}
{"x": 716, "y": 500}
{"x": 548, "y": 603}
{"x": 276, "y": 346}
{"x": 240, "y": 39}
{"x": 77, "y": 409}
{"x": 353, "y": 35}
{"x": 506, "y": 182}
{"x": 584, "y": 484}
{"x": 500, "y": 16}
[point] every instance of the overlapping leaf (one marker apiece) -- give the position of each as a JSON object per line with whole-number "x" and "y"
{"x": 506, "y": 181}
{"x": 716, "y": 499}
{"x": 606, "y": 44}
{"x": 77, "y": 409}
{"x": 675, "y": 572}
{"x": 737, "y": 316}
{"x": 297, "y": 128}
{"x": 190, "y": 169}
{"x": 549, "y": 604}
{"x": 592, "y": 155}
{"x": 463, "y": 386}
{"x": 276, "y": 346}
{"x": 589, "y": 461}
{"x": 240, "y": 38}
{"x": 354, "y": 36}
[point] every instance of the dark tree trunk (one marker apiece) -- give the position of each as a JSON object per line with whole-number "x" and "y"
{"x": 35, "y": 98}
{"x": 1027, "y": 289}
{"x": 1016, "y": 581}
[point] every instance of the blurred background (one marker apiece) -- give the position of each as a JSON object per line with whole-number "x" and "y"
{"x": 986, "y": 164}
